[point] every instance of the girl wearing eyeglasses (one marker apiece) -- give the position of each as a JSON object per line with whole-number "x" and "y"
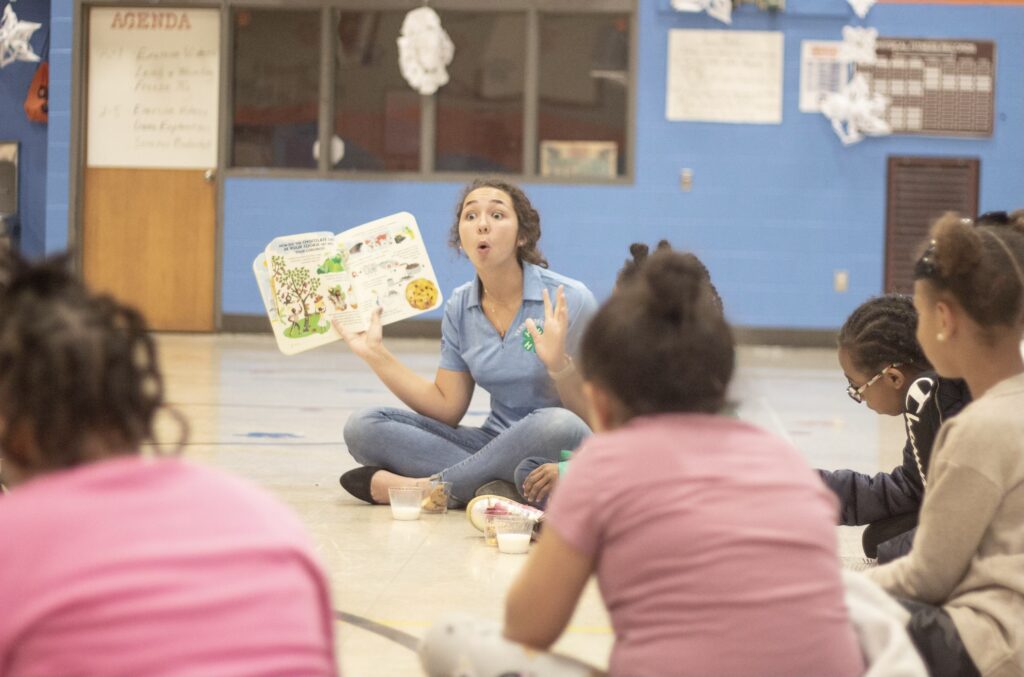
{"x": 888, "y": 371}
{"x": 963, "y": 582}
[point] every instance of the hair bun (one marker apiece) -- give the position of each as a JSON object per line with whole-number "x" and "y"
{"x": 1017, "y": 221}
{"x": 677, "y": 282}
{"x": 958, "y": 246}
{"x": 638, "y": 250}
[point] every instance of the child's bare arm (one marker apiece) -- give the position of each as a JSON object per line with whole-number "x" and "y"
{"x": 542, "y": 599}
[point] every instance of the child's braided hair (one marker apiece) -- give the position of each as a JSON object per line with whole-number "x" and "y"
{"x": 74, "y": 366}
{"x": 883, "y": 331}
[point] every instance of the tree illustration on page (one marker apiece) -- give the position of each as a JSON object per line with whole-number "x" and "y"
{"x": 296, "y": 287}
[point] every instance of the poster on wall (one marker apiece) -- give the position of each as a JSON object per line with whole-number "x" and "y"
{"x": 153, "y": 87}
{"x": 935, "y": 87}
{"x": 822, "y": 71}
{"x": 725, "y": 76}
{"x": 579, "y": 158}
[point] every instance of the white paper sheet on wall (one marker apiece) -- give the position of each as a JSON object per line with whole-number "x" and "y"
{"x": 153, "y": 87}
{"x": 725, "y": 76}
{"x": 822, "y": 71}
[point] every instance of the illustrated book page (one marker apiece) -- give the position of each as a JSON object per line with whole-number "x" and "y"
{"x": 309, "y": 280}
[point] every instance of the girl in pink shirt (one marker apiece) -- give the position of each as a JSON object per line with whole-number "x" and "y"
{"x": 684, "y": 515}
{"x": 119, "y": 564}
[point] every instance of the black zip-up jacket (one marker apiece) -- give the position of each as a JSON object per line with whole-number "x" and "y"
{"x": 864, "y": 499}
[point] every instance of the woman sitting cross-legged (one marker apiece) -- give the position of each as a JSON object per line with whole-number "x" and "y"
{"x": 512, "y": 331}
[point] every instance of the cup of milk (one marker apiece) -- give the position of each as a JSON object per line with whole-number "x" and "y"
{"x": 405, "y": 502}
{"x": 513, "y": 534}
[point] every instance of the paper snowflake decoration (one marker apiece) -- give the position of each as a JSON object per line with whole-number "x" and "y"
{"x": 14, "y": 38}
{"x": 424, "y": 51}
{"x": 855, "y": 112}
{"x": 861, "y": 7}
{"x": 858, "y": 45}
{"x": 717, "y": 9}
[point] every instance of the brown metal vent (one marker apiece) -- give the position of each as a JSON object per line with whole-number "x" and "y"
{"x": 920, "y": 189}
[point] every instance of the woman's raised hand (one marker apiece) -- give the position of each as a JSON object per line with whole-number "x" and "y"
{"x": 365, "y": 344}
{"x": 550, "y": 344}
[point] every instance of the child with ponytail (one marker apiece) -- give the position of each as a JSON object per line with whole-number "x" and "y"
{"x": 963, "y": 582}
{"x": 536, "y": 477}
{"x": 684, "y": 515}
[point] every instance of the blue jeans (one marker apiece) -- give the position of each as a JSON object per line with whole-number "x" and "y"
{"x": 413, "y": 445}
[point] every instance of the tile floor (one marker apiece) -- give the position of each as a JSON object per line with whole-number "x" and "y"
{"x": 277, "y": 420}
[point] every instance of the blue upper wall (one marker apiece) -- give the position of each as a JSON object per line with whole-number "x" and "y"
{"x": 774, "y": 209}
{"x": 15, "y": 79}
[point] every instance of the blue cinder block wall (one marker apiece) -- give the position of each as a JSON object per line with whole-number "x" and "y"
{"x": 774, "y": 209}
{"x": 15, "y": 80}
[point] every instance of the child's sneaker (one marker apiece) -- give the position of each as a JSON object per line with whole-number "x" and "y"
{"x": 480, "y": 506}
{"x": 499, "y": 488}
{"x": 858, "y": 563}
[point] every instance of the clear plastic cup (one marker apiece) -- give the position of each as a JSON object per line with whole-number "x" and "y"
{"x": 405, "y": 502}
{"x": 513, "y": 534}
{"x": 435, "y": 498}
{"x": 490, "y": 524}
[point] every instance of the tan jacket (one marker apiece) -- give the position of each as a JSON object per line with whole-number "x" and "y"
{"x": 968, "y": 555}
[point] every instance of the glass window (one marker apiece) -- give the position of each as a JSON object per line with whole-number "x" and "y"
{"x": 579, "y": 97}
{"x": 480, "y": 110}
{"x": 276, "y": 83}
{"x": 376, "y": 113}
{"x": 583, "y": 95}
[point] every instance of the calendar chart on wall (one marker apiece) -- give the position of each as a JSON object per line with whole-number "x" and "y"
{"x": 935, "y": 87}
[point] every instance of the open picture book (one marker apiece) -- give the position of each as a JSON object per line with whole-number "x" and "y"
{"x": 310, "y": 279}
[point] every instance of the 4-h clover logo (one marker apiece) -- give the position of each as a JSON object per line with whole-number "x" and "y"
{"x": 528, "y": 345}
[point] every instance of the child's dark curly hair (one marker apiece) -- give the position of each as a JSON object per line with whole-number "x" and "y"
{"x": 883, "y": 331}
{"x": 74, "y": 367}
{"x": 661, "y": 344}
{"x": 640, "y": 251}
{"x": 980, "y": 264}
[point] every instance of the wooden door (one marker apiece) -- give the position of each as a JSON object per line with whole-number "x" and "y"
{"x": 148, "y": 220}
{"x": 148, "y": 238}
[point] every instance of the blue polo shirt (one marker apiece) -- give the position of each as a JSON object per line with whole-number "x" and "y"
{"x": 508, "y": 368}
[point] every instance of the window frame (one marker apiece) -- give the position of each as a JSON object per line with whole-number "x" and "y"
{"x": 533, "y": 9}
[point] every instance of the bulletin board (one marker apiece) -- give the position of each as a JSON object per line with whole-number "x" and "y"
{"x": 935, "y": 87}
{"x": 153, "y": 87}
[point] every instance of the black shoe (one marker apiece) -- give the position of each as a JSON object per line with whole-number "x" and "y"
{"x": 500, "y": 488}
{"x": 357, "y": 482}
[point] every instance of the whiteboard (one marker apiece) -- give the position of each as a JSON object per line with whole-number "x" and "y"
{"x": 725, "y": 76}
{"x": 153, "y": 87}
